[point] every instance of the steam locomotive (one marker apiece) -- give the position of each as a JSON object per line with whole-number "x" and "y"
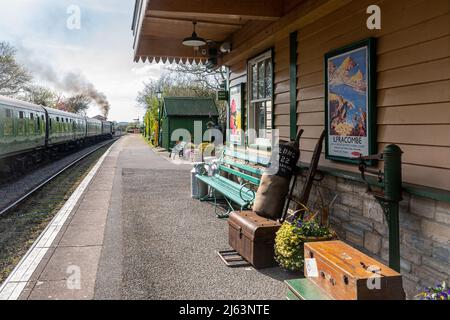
{"x": 29, "y": 132}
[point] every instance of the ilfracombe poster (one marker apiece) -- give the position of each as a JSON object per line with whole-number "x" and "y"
{"x": 350, "y": 102}
{"x": 235, "y": 115}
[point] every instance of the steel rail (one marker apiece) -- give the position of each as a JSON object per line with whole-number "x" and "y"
{"x": 52, "y": 177}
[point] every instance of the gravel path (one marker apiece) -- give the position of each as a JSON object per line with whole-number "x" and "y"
{"x": 160, "y": 243}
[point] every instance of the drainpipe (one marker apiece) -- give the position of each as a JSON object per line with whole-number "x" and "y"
{"x": 393, "y": 195}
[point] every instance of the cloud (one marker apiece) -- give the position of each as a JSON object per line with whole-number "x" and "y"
{"x": 101, "y": 51}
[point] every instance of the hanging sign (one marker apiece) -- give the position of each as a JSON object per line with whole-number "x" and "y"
{"x": 222, "y": 95}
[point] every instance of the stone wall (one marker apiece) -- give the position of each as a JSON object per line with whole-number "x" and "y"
{"x": 359, "y": 220}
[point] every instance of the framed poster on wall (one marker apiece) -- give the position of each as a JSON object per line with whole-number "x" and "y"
{"x": 235, "y": 115}
{"x": 350, "y": 101}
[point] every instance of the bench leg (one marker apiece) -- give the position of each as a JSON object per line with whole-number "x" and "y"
{"x": 222, "y": 215}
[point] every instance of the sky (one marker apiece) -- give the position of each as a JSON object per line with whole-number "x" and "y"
{"x": 100, "y": 50}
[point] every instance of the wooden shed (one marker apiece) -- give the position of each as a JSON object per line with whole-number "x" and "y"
{"x": 181, "y": 115}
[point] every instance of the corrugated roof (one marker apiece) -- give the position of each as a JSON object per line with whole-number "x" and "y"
{"x": 190, "y": 106}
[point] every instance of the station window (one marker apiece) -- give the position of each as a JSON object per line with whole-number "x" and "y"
{"x": 21, "y": 115}
{"x": 260, "y": 98}
{"x": 9, "y": 113}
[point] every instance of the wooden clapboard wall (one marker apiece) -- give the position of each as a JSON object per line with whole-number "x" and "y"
{"x": 281, "y": 87}
{"x": 413, "y": 87}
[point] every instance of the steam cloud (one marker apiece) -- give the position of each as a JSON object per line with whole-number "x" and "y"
{"x": 70, "y": 82}
{"x": 76, "y": 82}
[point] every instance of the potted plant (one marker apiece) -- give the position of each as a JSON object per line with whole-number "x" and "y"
{"x": 294, "y": 233}
{"x": 440, "y": 292}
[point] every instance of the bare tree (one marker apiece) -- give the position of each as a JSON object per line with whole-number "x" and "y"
{"x": 188, "y": 81}
{"x": 200, "y": 75}
{"x": 13, "y": 77}
{"x": 40, "y": 95}
{"x": 78, "y": 103}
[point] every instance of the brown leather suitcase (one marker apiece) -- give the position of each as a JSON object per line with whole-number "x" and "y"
{"x": 253, "y": 237}
{"x": 345, "y": 273}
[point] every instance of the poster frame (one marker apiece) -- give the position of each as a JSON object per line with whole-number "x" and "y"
{"x": 370, "y": 43}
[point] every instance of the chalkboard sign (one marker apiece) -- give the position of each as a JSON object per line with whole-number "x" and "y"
{"x": 287, "y": 160}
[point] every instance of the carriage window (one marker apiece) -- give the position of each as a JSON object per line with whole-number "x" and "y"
{"x": 8, "y": 127}
{"x": 21, "y": 124}
{"x": 260, "y": 96}
{"x": 32, "y": 125}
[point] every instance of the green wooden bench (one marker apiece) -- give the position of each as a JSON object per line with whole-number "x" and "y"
{"x": 304, "y": 289}
{"x": 238, "y": 193}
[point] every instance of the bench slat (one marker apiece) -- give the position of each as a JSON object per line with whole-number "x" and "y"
{"x": 229, "y": 189}
{"x": 242, "y": 175}
{"x": 241, "y": 166}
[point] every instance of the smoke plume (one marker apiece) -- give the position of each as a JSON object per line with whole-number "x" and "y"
{"x": 72, "y": 82}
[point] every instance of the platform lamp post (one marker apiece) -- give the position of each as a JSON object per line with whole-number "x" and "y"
{"x": 159, "y": 97}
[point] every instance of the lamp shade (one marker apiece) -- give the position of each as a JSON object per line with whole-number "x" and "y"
{"x": 194, "y": 40}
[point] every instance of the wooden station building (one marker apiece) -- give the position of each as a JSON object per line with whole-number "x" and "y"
{"x": 275, "y": 52}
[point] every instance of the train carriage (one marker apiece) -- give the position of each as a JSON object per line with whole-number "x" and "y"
{"x": 94, "y": 128}
{"x": 28, "y": 132}
{"x": 22, "y": 127}
{"x": 64, "y": 127}
{"x": 107, "y": 129}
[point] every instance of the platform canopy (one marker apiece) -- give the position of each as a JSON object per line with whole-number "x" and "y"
{"x": 159, "y": 26}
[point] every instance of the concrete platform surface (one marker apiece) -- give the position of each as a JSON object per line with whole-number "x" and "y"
{"x": 136, "y": 233}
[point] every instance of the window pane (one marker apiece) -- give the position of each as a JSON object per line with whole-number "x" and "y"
{"x": 260, "y": 117}
{"x": 269, "y": 115}
{"x": 254, "y": 82}
{"x": 268, "y": 79}
{"x": 261, "y": 73}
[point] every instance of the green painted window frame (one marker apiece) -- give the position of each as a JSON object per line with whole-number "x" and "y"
{"x": 262, "y": 56}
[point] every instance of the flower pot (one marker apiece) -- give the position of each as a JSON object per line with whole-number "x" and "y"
{"x": 289, "y": 252}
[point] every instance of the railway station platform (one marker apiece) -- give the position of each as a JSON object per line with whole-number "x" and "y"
{"x": 134, "y": 232}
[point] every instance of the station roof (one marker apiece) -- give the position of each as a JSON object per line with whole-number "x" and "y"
{"x": 190, "y": 106}
{"x": 249, "y": 26}
{"x": 159, "y": 26}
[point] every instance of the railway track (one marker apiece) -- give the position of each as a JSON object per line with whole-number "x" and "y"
{"x": 9, "y": 201}
{"x": 23, "y": 220}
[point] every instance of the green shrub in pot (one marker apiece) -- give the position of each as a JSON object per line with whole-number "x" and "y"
{"x": 291, "y": 236}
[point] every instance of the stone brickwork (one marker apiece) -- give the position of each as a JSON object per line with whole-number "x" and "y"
{"x": 359, "y": 220}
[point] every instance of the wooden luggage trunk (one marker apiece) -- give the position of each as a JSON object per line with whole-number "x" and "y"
{"x": 253, "y": 237}
{"x": 347, "y": 274}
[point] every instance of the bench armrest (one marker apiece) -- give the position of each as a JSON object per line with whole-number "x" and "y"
{"x": 248, "y": 191}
